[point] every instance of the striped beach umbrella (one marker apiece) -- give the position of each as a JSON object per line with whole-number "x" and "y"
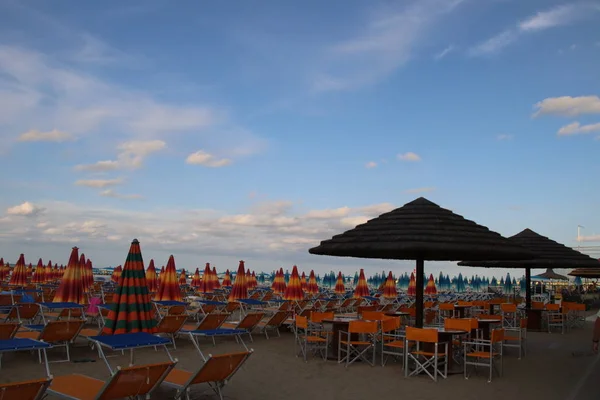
{"x": 132, "y": 311}
{"x": 39, "y": 274}
{"x": 311, "y": 286}
{"x": 389, "y": 288}
{"x": 19, "y": 273}
{"x": 29, "y": 271}
{"x": 412, "y": 285}
{"x": 206, "y": 286}
{"x": 430, "y": 288}
{"x": 116, "y": 274}
{"x": 49, "y": 273}
{"x": 71, "y": 285}
{"x": 253, "y": 280}
{"x": 275, "y": 283}
{"x": 84, "y": 272}
{"x": 169, "y": 287}
{"x": 227, "y": 279}
{"x": 239, "y": 289}
{"x": 362, "y": 289}
{"x": 340, "y": 288}
{"x": 294, "y": 287}
{"x": 161, "y": 276}
{"x": 89, "y": 274}
{"x": 196, "y": 281}
{"x": 183, "y": 277}
{"x": 279, "y": 283}
{"x": 151, "y": 277}
{"x": 215, "y": 279}
{"x": 303, "y": 282}
{"x": 3, "y": 270}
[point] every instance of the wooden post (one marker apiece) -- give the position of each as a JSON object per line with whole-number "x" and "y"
{"x": 419, "y": 305}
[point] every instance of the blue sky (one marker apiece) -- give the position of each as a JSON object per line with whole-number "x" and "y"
{"x": 226, "y": 131}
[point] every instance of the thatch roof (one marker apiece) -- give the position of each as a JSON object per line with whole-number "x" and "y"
{"x": 550, "y": 274}
{"x": 585, "y": 273}
{"x": 421, "y": 230}
{"x": 548, "y": 254}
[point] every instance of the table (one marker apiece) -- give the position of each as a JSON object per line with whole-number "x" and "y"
{"x": 445, "y": 336}
{"x": 128, "y": 341}
{"x": 534, "y": 319}
{"x": 339, "y": 324}
{"x": 17, "y": 344}
{"x": 61, "y": 306}
{"x": 484, "y": 325}
{"x": 460, "y": 310}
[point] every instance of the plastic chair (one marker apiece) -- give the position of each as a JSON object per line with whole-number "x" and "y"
{"x": 308, "y": 337}
{"x": 517, "y": 337}
{"x": 509, "y": 315}
{"x": 358, "y": 348}
{"x": 250, "y": 321}
{"x": 392, "y": 340}
{"x": 485, "y": 358}
{"x": 424, "y": 359}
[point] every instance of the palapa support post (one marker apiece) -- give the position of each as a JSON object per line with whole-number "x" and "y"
{"x": 528, "y": 288}
{"x": 420, "y": 281}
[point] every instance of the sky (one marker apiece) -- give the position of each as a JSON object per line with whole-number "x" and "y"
{"x": 227, "y": 131}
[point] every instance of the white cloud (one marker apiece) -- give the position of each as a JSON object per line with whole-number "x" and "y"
{"x": 504, "y": 137}
{"x": 25, "y": 209}
{"x": 568, "y": 106}
{"x": 206, "y": 159}
{"x": 328, "y": 213}
{"x": 371, "y": 164}
{"x": 575, "y": 128}
{"x": 555, "y": 17}
{"x": 351, "y": 222}
{"x": 130, "y": 156}
{"x": 112, "y": 193}
{"x": 444, "y": 52}
{"x": 376, "y": 209}
{"x": 420, "y": 190}
{"x": 590, "y": 238}
{"x": 98, "y": 183}
{"x": 410, "y": 157}
{"x": 54, "y": 135}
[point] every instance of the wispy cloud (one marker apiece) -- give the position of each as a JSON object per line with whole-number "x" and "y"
{"x": 25, "y": 209}
{"x": 371, "y": 164}
{"x": 419, "y": 190}
{"x": 98, "y": 183}
{"x": 558, "y": 16}
{"x": 444, "y": 52}
{"x": 54, "y": 135}
{"x": 387, "y": 43}
{"x": 113, "y": 194}
{"x": 409, "y": 157}
{"x": 130, "y": 156}
{"x": 504, "y": 137}
{"x": 567, "y": 106}
{"x": 575, "y": 128}
{"x": 203, "y": 158}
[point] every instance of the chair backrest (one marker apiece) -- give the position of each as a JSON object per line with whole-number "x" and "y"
{"x": 361, "y": 309}
{"x": 387, "y": 307}
{"x": 232, "y": 306}
{"x": 390, "y": 324}
{"x": 277, "y": 319}
{"x": 446, "y": 307}
{"x": 135, "y": 381}
{"x": 219, "y": 368}
{"x": 490, "y": 316}
{"x": 318, "y": 317}
{"x": 372, "y": 315}
{"x": 465, "y": 303}
{"x": 497, "y": 335}
{"x": 176, "y": 310}
{"x": 458, "y": 324}
{"x": 26, "y": 390}
{"x": 301, "y": 322}
{"x": 61, "y": 331}
{"x": 251, "y": 320}
{"x": 523, "y": 323}
{"x": 422, "y": 335}
{"x": 171, "y": 324}
{"x": 212, "y": 321}
{"x": 362, "y": 327}
{"x": 508, "y": 307}
{"x": 8, "y": 330}
{"x": 6, "y": 299}
{"x": 267, "y": 296}
{"x": 552, "y": 307}
{"x": 28, "y": 310}
{"x": 537, "y": 305}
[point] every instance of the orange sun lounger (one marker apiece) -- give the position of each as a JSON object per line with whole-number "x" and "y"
{"x": 216, "y": 372}
{"x": 26, "y": 390}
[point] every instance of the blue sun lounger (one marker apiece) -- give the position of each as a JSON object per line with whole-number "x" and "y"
{"x": 16, "y": 344}
{"x": 213, "y": 333}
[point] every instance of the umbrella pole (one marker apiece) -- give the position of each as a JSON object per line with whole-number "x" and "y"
{"x": 419, "y": 310}
{"x": 528, "y": 288}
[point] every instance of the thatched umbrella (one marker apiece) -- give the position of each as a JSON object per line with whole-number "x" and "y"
{"x": 550, "y": 274}
{"x": 547, "y": 254}
{"x": 585, "y": 273}
{"x": 421, "y": 230}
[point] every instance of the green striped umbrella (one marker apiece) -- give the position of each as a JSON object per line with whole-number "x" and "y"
{"x": 132, "y": 310}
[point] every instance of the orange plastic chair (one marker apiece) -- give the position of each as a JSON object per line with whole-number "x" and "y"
{"x": 27, "y": 390}
{"x": 369, "y": 330}
{"x": 170, "y": 325}
{"x": 8, "y": 330}
{"x": 485, "y": 358}
{"x": 517, "y": 337}
{"x": 308, "y": 338}
{"x": 57, "y": 333}
{"x": 426, "y": 359}
{"x": 373, "y": 315}
{"x": 217, "y": 371}
{"x": 127, "y": 382}
{"x": 392, "y": 341}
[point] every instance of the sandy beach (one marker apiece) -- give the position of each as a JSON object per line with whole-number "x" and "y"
{"x": 549, "y": 371}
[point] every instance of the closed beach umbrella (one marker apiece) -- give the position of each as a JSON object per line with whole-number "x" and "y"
{"x": 3, "y": 270}
{"x": 430, "y": 288}
{"x": 151, "y": 277}
{"x": 71, "y": 284}
{"x": 303, "y": 282}
{"x": 206, "y": 285}
{"x": 294, "y": 287}
{"x": 227, "y": 279}
{"x": 340, "y": 287}
{"x": 49, "y": 274}
{"x": 215, "y": 279}
{"x": 183, "y": 277}
{"x": 389, "y": 288}
{"x": 29, "y": 271}
{"x": 169, "y": 287}
{"x": 412, "y": 285}
{"x": 39, "y": 274}
{"x": 239, "y": 289}
{"x": 116, "y": 274}
{"x": 312, "y": 287}
{"x": 196, "y": 280}
{"x": 361, "y": 289}
{"x": 19, "y": 273}
{"x": 132, "y": 311}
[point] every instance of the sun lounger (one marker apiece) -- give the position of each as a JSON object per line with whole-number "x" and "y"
{"x": 171, "y": 325}
{"x": 248, "y": 324}
{"x": 56, "y": 333}
{"x": 217, "y": 371}
{"x": 273, "y": 323}
{"x": 27, "y": 390}
{"x": 61, "y": 310}
{"x": 213, "y": 333}
{"x": 8, "y": 330}
{"x": 130, "y": 382}
{"x": 17, "y": 344}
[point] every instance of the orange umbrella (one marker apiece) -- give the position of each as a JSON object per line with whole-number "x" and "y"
{"x": 183, "y": 278}
{"x": 361, "y": 289}
{"x": 206, "y": 285}
{"x": 89, "y": 274}
{"x": 39, "y": 274}
{"x": 389, "y": 289}
{"x": 48, "y": 273}
{"x": 71, "y": 285}
{"x": 430, "y": 288}
{"x": 239, "y": 290}
{"x": 151, "y": 277}
{"x": 161, "y": 276}
{"x": 227, "y": 279}
{"x": 303, "y": 281}
{"x": 215, "y": 279}
{"x": 249, "y": 280}
{"x": 279, "y": 282}
{"x": 19, "y": 273}
{"x": 29, "y": 271}
{"x": 253, "y": 280}
{"x": 412, "y": 285}
{"x": 196, "y": 281}
{"x": 294, "y": 287}
{"x": 3, "y": 270}
{"x": 312, "y": 287}
{"x": 84, "y": 273}
{"x": 169, "y": 288}
{"x": 275, "y": 282}
{"x": 340, "y": 288}
{"x": 132, "y": 311}
{"x": 116, "y": 274}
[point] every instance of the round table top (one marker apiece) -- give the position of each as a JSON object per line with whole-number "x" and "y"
{"x": 452, "y": 331}
{"x": 489, "y": 321}
{"x": 397, "y": 313}
{"x": 340, "y": 319}
{"x": 461, "y": 306}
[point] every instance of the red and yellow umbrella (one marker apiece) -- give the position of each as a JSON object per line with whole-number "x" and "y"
{"x": 19, "y": 273}
{"x": 132, "y": 311}
{"x": 389, "y": 289}
{"x": 89, "y": 274}
{"x": 253, "y": 280}
{"x": 294, "y": 287}
{"x": 71, "y": 285}
{"x": 183, "y": 277}
{"x": 161, "y": 276}
{"x": 239, "y": 289}
{"x": 340, "y": 287}
{"x": 169, "y": 287}
{"x": 207, "y": 284}
{"x": 29, "y": 271}
{"x": 249, "y": 280}
{"x": 430, "y": 288}
{"x": 227, "y": 279}
{"x": 362, "y": 289}
{"x": 215, "y": 279}
{"x": 303, "y": 282}
{"x": 39, "y": 274}
{"x": 116, "y": 274}
{"x": 84, "y": 273}
{"x": 412, "y": 285}
{"x": 280, "y": 285}
{"x": 151, "y": 277}
{"x": 3, "y": 270}
{"x": 312, "y": 287}
{"x": 49, "y": 273}
{"x": 196, "y": 280}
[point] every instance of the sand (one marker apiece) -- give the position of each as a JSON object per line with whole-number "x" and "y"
{"x": 549, "y": 371}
